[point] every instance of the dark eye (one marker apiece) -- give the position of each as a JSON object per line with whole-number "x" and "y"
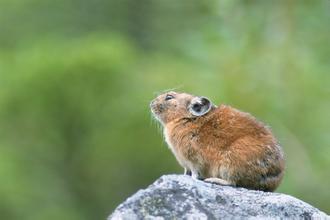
{"x": 168, "y": 97}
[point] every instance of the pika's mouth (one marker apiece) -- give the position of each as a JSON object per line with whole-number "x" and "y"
{"x": 154, "y": 112}
{"x": 153, "y": 107}
{"x": 155, "y": 115}
{"x": 156, "y": 109}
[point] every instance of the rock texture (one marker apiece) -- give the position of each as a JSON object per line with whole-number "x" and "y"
{"x": 181, "y": 197}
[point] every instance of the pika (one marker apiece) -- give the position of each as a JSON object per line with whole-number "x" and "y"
{"x": 219, "y": 144}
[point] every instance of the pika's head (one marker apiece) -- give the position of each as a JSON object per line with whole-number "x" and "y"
{"x": 172, "y": 105}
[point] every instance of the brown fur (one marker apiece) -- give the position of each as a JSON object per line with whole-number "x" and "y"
{"x": 224, "y": 143}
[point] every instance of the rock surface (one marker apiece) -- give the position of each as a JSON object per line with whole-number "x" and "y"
{"x": 181, "y": 197}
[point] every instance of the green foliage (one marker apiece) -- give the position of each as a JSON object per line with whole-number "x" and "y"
{"x": 76, "y": 77}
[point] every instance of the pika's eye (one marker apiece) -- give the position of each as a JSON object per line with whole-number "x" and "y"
{"x": 168, "y": 97}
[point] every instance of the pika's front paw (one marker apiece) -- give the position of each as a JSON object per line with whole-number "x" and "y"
{"x": 187, "y": 172}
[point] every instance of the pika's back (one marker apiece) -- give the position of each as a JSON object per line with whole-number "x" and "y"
{"x": 228, "y": 124}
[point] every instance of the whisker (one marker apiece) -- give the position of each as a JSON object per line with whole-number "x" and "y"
{"x": 156, "y": 93}
{"x": 154, "y": 121}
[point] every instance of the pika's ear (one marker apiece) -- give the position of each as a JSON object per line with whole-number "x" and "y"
{"x": 200, "y": 106}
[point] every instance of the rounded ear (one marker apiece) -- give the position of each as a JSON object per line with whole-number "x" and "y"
{"x": 200, "y": 106}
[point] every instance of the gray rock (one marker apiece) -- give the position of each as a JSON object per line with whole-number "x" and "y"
{"x": 181, "y": 197}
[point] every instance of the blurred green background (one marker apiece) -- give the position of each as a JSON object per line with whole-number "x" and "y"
{"x": 76, "y": 78}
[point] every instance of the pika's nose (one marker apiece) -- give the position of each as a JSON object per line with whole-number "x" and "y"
{"x": 152, "y": 103}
